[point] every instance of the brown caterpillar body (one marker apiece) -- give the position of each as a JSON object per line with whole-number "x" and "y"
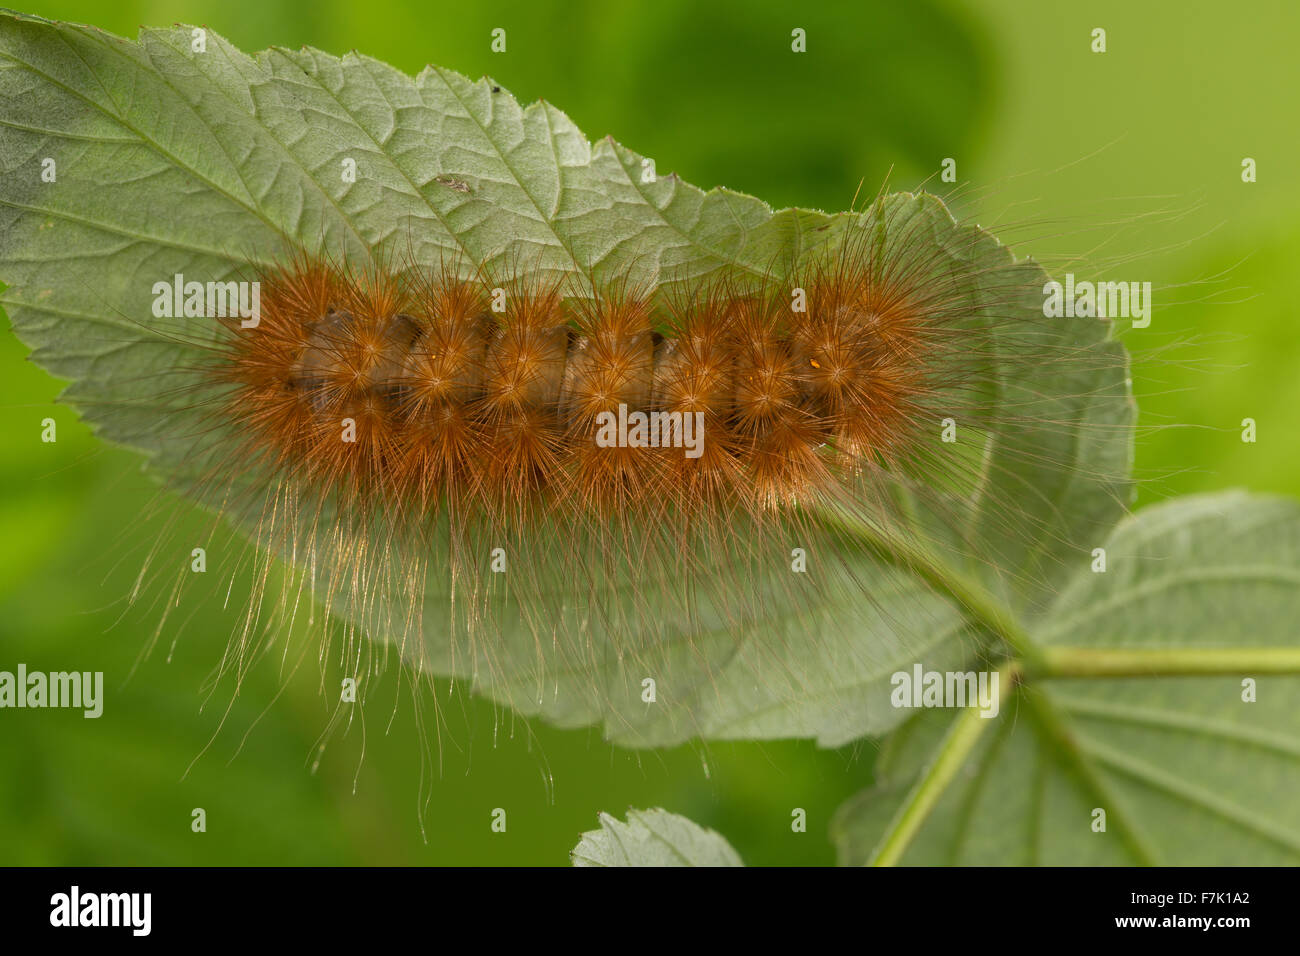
{"x": 450, "y": 398}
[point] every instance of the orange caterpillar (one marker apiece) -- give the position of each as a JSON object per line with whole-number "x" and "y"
{"x": 560, "y": 487}
{"x": 419, "y": 389}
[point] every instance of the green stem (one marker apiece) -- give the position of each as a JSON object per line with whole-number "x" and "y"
{"x": 1034, "y": 662}
{"x": 1174, "y": 662}
{"x": 961, "y": 738}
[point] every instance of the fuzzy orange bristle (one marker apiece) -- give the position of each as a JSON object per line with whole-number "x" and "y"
{"x": 409, "y": 385}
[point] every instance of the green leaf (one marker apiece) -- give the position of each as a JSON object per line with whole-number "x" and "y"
{"x": 176, "y": 161}
{"x": 652, "y": 838}
{"x": 1136, "y": 706}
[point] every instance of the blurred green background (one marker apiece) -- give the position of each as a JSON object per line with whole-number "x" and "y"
{"x": 1130, "y": 159}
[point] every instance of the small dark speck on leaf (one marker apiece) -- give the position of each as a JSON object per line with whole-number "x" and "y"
{"x": 496, "y": 89}
{"x": 451, "y": 182}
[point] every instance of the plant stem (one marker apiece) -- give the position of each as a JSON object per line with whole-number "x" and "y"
{"x": 961, "y": 738}
{"x": 1034, "y": 662}
{"x": 1171, "y": 662}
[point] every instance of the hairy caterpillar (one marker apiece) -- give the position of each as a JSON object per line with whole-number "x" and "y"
{"x": 880, "y": 393}
{"x": 430, "y": 438}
